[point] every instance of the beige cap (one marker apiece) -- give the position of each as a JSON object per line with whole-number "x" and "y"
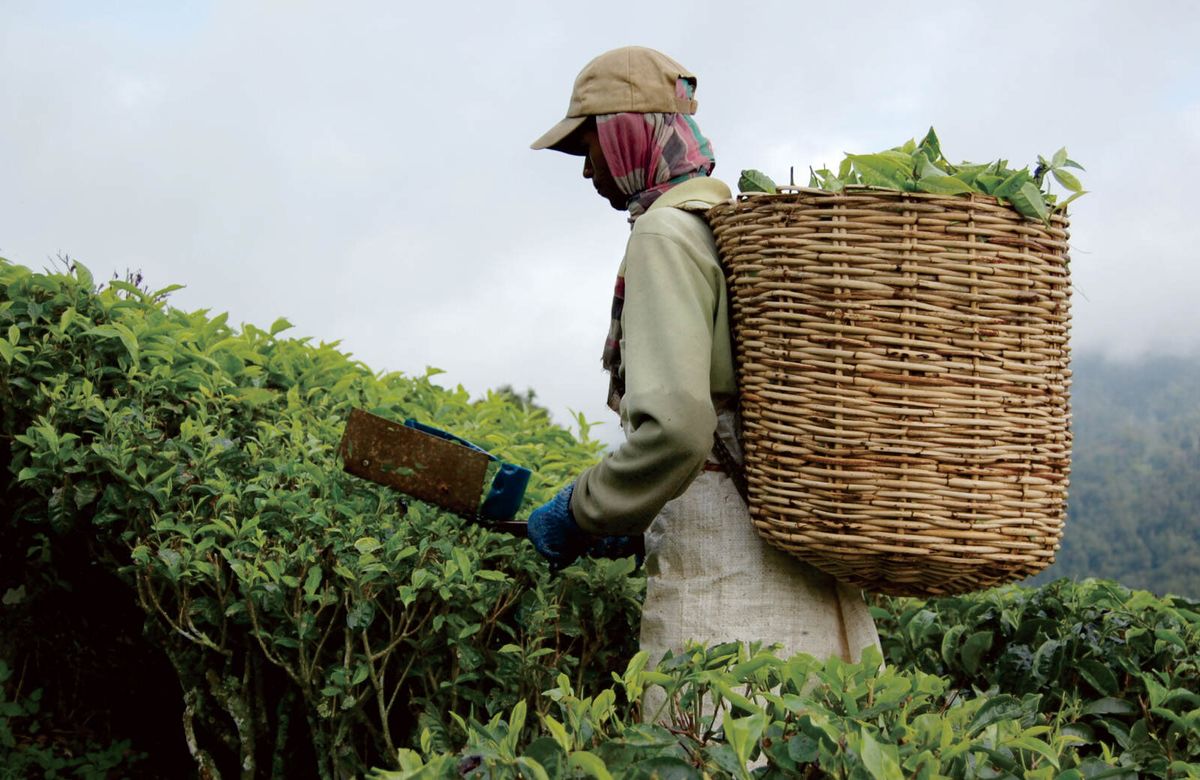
{"x": 632, "y": 78}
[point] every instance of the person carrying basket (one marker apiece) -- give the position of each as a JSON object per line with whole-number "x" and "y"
{"x": 669, "y": 355}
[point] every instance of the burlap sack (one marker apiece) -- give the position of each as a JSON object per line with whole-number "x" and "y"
{"x": 711, "y": 578}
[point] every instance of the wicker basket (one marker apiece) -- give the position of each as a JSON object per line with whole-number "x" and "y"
{"x": 903, "y": 363}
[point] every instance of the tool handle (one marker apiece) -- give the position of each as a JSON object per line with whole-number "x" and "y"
{"x": 521, "y": 529}
{"x": 423, "y": 428}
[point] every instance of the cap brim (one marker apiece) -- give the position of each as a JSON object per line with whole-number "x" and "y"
{"x": 553, "y": 138}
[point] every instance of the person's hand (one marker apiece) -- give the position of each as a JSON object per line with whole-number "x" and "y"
{"x": 616, "y": 547}
{"x": 554, "y": 532}
{"x": 560, "y": 540}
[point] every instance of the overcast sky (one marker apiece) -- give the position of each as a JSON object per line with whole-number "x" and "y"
{"x": 363, "y": 168}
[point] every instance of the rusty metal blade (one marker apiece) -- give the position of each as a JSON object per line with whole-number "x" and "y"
{"x": 425, "y": 467}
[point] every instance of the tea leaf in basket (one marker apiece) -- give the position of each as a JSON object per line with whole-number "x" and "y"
{"x": 825, "y": 180}
{"x": 1029, "y": 201}
{"x": 931, "y": 145}
{"x": 943, "y": 185}
{"x": 1013, "y": 184}
{"x": 885, "y": 169}
{"x": 756, "y": 181}
{"x": 1068, "y": 180}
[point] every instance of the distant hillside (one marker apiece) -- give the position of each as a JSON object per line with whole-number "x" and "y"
{"x": 1134, "y": 508}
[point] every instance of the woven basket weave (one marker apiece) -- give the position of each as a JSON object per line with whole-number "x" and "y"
{"x": 903, "y": 364}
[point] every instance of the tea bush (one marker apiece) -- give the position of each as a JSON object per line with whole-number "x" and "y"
{"x": 305, "y": 612}
{"x": 734, "y": 713}
{"x": 1120, "y": 668}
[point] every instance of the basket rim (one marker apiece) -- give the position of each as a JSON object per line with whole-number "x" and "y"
{"x": 786, "y": 192}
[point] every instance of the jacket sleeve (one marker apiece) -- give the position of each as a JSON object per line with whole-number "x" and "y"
{"x": 667, "y": 322}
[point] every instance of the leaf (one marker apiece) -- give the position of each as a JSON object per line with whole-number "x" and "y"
{"x": 367, "y": 545}
{"x": 1109, "y": 706}
{"x": 756, "y": 181}
{"x": 13, "y": 596}
{"x": 950, "y": 644}
{"x": 994, "y": 710}
{"x": 280, "y": 325}
{"x": 83, "y": 274}
{"x": 1099, "y": 676}
{"x": 881, "y": 761}
{"x": 1067, "y": 180}
{"x": 1012, "y": 184}
{"x": 1062, "y": 206}
{"x": 1059, "y": 158}
{"x": 313, "y": 580}
{"x": 1028, "y": 200}
{"x": 533, "y": 767}
{"x": 516, "y": 722}
{"x": 943, "y": 185}
{"x": 589, "y": 763}
{"x": 886, "y": 169}
{"x": 1035, "y": 745}
{"x": 558, "y": 731}
{"x": 743, "y": 734}
{"x": 6, "y": 350}
{"x": 830, "y": 182}
{"x": 666, "y": 768}
{"x": 931, "y": 145}
{"x": 550, "y": 756}
{"x": 973, "y": 649}
{"x": 803, "y": 749}
{"x": 1170, "y": 637}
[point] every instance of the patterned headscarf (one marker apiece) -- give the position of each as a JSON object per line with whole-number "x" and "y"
{"x": 647, "y": 155}
{"x": 650, "y": 153}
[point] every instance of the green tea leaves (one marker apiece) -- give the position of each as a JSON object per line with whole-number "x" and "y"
{"x": 886, "y": 169}
{"x": 1029, "y": 201}
{"x": 922, "y": 167}
{"x": 756, "y": 181}
{"x": 1067, "y": 180}
{"x": 943, "y": 185}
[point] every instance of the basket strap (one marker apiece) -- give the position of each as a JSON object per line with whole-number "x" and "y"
{"x": 732, "y": 468}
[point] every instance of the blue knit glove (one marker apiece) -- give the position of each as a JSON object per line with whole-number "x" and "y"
{"x": 554, "y": 533}
{"x": 560, "y": 540}
{"x": 616, "y": 547}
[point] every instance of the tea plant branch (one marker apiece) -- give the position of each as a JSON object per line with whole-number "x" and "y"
{"x": 222, "y": 689}
{"x": 270, "y": 656}
{"x": 400, "y": 682}
{"x": 283, "y": 717}
{"x": 319, "y": 649}
{"x": 151, "y": 603}
{"x": 403, "y": 634}
{"x": 208, "y": 767}
{"x": 377, "y": 679}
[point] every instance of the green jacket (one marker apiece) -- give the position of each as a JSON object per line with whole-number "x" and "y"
{"x": 677, "y": 362}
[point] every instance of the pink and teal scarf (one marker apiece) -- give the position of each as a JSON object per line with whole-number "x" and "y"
{"x": 647, "y": 154}
{"x": 650, "y": 153}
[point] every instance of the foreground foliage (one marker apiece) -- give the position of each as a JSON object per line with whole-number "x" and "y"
{"x": 172, "y": 497}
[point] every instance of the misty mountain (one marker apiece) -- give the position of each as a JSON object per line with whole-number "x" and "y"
{"x": 1134, "y": 505}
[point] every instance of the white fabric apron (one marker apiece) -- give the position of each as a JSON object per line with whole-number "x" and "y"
{"x": 711, "y": 578}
